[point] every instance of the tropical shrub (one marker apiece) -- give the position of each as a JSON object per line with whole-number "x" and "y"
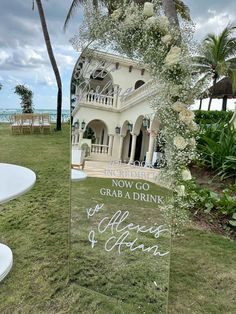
{"x": 214, "y": 116}
{"x": 217, "y": 148}
{"x": 228, "y": 168}
{"x": 26, "y": 96}
{"x": 207, "y": 201}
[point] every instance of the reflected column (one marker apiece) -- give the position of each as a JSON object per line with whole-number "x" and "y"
{"x": 150, "y": 150}
{"x": 133, "y": 147}
{"x": 80, "y": 135}
{"x": 121, "y": 147}
{"x": 110, "y": 144}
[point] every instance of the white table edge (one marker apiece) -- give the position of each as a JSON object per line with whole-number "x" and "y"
{"x": 20, "y": 194}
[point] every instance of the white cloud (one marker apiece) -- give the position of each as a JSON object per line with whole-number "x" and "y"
{"x": 211, "y": 11}
{"x": 3, "y": 56}
{"x": 65, "y": 61}
{"x": 49, "y": 80}
{"x": 13, "y": 80}
{"x": 214, "y": 24}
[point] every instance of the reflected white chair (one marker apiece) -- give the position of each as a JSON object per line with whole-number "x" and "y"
{"x": 77, "y": 158}
{"x": 77, "y": 163}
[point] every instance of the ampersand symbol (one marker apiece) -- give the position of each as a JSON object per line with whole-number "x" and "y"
{"x": 91, "y": 238}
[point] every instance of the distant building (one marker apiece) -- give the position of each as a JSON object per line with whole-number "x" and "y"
{"x": 112, "y": 107}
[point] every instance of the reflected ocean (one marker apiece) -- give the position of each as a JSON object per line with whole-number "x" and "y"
{"x": 6, "y": 113}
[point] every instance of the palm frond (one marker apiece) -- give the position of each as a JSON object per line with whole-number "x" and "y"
{"x": 183, "y": 10}
{"x": 232, "y": 75}
{"x": 200, "y": 84}
{"x": 71, "y": 11}
{"x": 218, "y": 54}
{"x": 232, "y": 61}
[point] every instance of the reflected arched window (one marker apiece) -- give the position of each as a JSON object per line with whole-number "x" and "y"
{"x": 138, "y": 84}
{"x": 98, "y": 75}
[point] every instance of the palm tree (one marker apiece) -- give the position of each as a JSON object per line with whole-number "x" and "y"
{"x": 53, "y": 62}
{"x": 73, "y": 7}
{"x": 170, "y": 11}
{"x": 171, "y": 8}
{"x": 0, "y": 86}
{"x": 218, "y": 57}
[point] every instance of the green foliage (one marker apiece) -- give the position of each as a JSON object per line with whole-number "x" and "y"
{"x": 26, "y": 96}
{"x": 0, "y": 86}
{"x": 201, "y": 198}
{"x": 215, "y": 116}
{"x": 228, "y": 167}
{"x": 217, "y": 56}
{"x": 89, "y": 133}
{"x": 226, "y": 203}
{"x": 217, "y": 148}
{"x": 206, "y": 200}
{"x": 233, "y": 221}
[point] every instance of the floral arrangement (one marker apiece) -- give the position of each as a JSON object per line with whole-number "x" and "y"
{"x": 144, "y": 33}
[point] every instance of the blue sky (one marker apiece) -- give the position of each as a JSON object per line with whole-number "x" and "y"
{"x": 23, "y": 55}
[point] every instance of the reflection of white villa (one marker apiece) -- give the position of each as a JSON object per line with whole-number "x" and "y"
{"x": 113, "y": 104}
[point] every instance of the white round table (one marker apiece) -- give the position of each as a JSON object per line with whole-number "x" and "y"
{"x": 78, "y": 175}
{"x": 14, "y": 181}
{"x": 6, "y": 260}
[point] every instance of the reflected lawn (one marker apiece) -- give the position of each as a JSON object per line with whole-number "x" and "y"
{"x": 121, "y": 247}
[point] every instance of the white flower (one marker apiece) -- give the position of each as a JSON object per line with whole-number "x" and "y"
{"x": 148, "y": 9}
{"x": 151, "y": 21}
{"x": 174, "y": 91}
{"x": 186, "y": 175}
{"x": 193, "y": 126}
{"x": 130, "y": 20}
{"x": 192, "y": 142}
{"x": 163, "y": 23}
{"x": 179, "y": 106}
{"x": 116, "y": 14}
{"x": 186, "y": 116}
{"x": 173, "y": 56}
{"x": 180, "y": 142}
{"x": 166, "y": 39}
{"x": 180, "y": 189}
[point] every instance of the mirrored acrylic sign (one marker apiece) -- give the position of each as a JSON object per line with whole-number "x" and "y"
{"x": 120, "y": 235}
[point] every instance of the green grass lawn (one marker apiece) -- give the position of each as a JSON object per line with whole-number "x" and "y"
{"x": 138, "y": 280}
{"x": 36, "y": 227}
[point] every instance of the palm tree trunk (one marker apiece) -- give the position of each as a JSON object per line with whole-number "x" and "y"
{"x": 200, "y": 105}
{"x": 170, "y": 12}
{"x": 53, "y": 62}
{"x": 209, "y": 104}
{"x": 210, "y": 100}
{"x": 224, "y": 103}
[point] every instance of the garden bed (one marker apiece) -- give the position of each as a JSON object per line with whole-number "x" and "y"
{"x": 214, "y": 221}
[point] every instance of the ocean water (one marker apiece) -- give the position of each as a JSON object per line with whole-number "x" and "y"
{"x": 6, "y": 113}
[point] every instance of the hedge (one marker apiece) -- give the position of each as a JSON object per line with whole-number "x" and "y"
{"x": 214, "y": 116}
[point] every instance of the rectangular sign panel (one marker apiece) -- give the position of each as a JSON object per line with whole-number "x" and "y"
{"x": 120, "y": 235}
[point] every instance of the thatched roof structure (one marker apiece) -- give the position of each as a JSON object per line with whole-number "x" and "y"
{"x": 222, "y": 89}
